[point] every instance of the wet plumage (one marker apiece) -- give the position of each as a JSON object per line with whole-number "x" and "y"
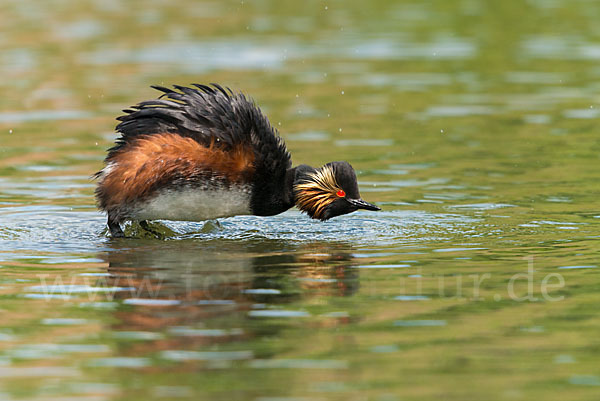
{"x": 207, "y": 152}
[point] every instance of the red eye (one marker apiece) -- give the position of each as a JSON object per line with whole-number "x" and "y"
{"x": 340, "y": 193}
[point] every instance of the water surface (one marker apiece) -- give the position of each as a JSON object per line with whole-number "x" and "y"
{"x": 472, "y": 124}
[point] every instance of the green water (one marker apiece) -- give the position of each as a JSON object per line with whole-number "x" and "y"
{"x": 473, "y": 124}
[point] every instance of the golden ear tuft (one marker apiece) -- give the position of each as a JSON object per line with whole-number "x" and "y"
{"x": 319, "y": 190}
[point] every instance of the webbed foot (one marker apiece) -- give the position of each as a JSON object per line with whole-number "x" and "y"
{"x": 146, "y": 226}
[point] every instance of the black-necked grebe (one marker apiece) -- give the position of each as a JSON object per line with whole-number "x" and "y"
{"x": 206, "y": 152}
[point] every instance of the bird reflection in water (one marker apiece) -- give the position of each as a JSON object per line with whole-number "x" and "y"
{"x": 201, "y": 292}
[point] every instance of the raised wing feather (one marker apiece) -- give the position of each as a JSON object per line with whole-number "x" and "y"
{"x": 209, "y": 115}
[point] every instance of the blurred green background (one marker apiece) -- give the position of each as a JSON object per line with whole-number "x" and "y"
{"x": 473, "y": 124}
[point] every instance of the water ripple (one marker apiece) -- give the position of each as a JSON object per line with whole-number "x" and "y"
{"x": 61, "y": 230}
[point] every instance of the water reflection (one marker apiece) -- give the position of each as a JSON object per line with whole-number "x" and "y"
{"x": 206, "y": 292}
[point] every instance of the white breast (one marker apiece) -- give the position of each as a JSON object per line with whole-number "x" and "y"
{"x": 195, "y": 204}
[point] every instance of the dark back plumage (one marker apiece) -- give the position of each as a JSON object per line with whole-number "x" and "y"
{"x": 208, "y": 115}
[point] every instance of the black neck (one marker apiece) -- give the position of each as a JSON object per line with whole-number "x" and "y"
{"x": 272, "y": 197}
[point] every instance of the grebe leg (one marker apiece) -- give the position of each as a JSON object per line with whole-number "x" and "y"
{"x": 115, "y": 228}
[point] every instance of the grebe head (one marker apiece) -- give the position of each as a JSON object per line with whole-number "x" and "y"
{"x": 329, "y": 191}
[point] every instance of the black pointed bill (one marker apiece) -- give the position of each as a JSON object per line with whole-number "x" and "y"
{"x": 361, "y": 204}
